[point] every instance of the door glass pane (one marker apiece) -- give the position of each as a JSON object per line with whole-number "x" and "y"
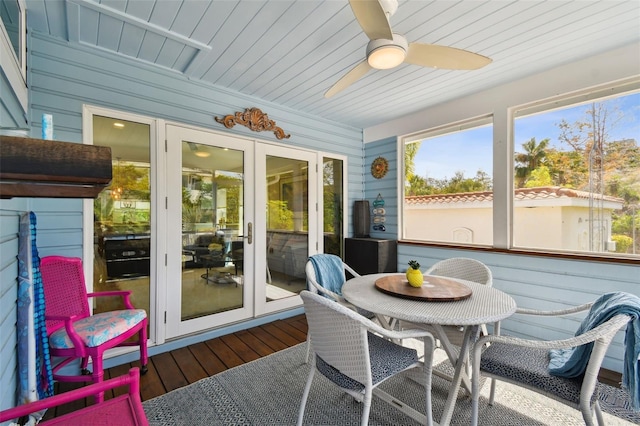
{"x": 212, "y": 217}
{"x": 333, "y": 199}
{"x": 122, "y": 212}
{"x": 287, "y": 226}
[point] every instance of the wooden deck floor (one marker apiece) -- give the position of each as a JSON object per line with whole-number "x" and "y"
{"x": 180, "y": 367}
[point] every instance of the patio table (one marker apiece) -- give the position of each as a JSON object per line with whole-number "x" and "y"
{"x": 485, "y": 305}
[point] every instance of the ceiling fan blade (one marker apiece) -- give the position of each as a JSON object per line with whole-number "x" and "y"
{"x": 372, "y": 18}
{"x": 349, "y": 78}
{"x": 432, "y": 55}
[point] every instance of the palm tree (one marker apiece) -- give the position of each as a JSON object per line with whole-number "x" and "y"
{"x": 533, "y": 157}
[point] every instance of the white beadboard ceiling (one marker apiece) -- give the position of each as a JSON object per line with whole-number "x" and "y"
{"x": 291, "y": 52}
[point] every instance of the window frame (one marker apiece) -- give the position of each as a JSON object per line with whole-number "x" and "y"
{"x": 15, "y": 66}
{"x": 454, "y": 127}
{"x": 503, "y": 172}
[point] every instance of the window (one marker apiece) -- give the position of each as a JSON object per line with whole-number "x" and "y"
{"x": 13, "y": 46}
{"x": 577, "y": 173}
{"x": 448, "y": 185}
{"x": 332, "y": 205}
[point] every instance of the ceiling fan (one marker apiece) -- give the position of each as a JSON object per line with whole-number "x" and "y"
{"x": 387, "y": 49}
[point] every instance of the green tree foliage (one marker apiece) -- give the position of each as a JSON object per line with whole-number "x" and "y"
{"x": 539, "y": 177}
{"x": 133, "y": 180}
{"x": 457, "y": 184}
{"x": 534, "y": 156}
{"x": 623, "y": 242}
{"x": 589, "y": 137}
{"x": 410, "y": 152}
{"x": 332, "y": 201}
{"x": 567, "y": 168}
{"x": 279, "y": 215}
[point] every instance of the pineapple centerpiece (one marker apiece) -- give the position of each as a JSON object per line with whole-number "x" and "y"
{"x": 414, "y": 275}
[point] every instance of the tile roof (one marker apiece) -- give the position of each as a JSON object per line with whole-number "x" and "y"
{"x": 521, "y": 194}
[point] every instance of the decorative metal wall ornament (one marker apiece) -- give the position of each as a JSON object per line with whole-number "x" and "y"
{"x": 379, "y": 167}
{"x": 254, "y": 119}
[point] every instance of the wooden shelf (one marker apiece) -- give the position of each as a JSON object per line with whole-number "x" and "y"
{"x": 52, "y": 169}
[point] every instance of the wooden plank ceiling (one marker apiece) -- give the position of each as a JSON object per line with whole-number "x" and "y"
{"x": 291, "y": 52}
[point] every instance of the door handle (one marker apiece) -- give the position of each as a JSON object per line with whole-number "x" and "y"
{"x": 249, "y": 235}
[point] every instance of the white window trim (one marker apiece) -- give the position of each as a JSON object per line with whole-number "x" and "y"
{"x": 16, "y": 68}
{"x": 503, "y": 153}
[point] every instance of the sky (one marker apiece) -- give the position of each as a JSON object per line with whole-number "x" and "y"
{"x": 472, "y": 150}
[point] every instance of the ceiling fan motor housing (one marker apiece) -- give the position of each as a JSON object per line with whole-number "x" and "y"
{"x": 385, "y": 54}
{"x": 389, "y": 6}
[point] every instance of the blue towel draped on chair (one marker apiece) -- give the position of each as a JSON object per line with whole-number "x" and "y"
{"x": 572, "y": 362}
{"x": 329, "y": 271}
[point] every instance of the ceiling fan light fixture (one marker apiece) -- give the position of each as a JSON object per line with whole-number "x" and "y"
{"x": 386, "y": 57}
{"x": 385, "y": 54}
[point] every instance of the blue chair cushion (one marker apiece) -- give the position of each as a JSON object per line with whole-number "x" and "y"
{"x": 97, "y": 329}
{"x": 387, "y": 359}
{"x": 529, "y": 366}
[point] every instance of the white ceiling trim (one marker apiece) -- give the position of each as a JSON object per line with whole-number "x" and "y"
{"x": 140, "y": 23}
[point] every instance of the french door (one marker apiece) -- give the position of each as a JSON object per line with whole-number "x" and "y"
{"x": 286, "y": 224}
{"x": 205, "y": 228}
{"x": 239, "y": 213}
{"x": 210, "y": 244}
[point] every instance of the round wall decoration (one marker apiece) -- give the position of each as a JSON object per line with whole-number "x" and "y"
{"x": 379, "y": 167}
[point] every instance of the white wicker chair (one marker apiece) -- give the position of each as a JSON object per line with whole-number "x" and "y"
{"x": 316, "y": 287}
{"x": 525, "y": 363}
{"x": 349, "y": 354}
{"x": 465, "y": 269}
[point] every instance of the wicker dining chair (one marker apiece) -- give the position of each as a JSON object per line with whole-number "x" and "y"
{"x": 525, "y": 363}
{"x": 357, "y": 355}
{"x": 76, "y": 334}
{"x": 315, "y": 281}
{"x": 316, "y": 284}
{"x": 465, "y": 269}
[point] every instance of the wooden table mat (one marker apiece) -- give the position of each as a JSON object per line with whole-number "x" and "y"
{"x": 434, "y": 289}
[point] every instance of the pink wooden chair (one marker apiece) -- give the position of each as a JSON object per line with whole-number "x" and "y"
{"x": 76, "y": 334}
{"x": 123, "y": 410}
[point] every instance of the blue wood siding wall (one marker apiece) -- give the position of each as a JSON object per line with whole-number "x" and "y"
{"x": 386, "y": 187}
{"x": 535, "y": 282}
{"x": 9, "y": 220}
{"x": 64, "y": 78}
{"x": 12, "y": 116}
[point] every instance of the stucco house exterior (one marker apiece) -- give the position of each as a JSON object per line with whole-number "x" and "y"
{"x": 544, "y": 217}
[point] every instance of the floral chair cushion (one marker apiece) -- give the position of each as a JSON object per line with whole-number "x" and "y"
{"x": 98, "y": 329}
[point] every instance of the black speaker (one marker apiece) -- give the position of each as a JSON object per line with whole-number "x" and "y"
{"x": 361, "y": 219}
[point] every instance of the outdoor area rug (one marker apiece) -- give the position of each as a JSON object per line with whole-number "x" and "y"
{"x": 268, "y": 392}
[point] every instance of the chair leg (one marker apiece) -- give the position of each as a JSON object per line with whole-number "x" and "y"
{"x": 97, "y": 376}
{"x": 598, "y": 411}
{"x": 83, "y": 367}
{"x": 305, "y": 394}
{"x": 366, "y": 407}
{"x": 492, "y": 394}
{"x": 306, "y": 359}
{"x": 143, "y": 349}
{"x": 475, "y": 387}
{"x": 429, "y": 348}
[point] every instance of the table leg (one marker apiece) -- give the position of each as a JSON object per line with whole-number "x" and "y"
{"x": 457, "y": 377}
{"x": 453, "y": 357}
